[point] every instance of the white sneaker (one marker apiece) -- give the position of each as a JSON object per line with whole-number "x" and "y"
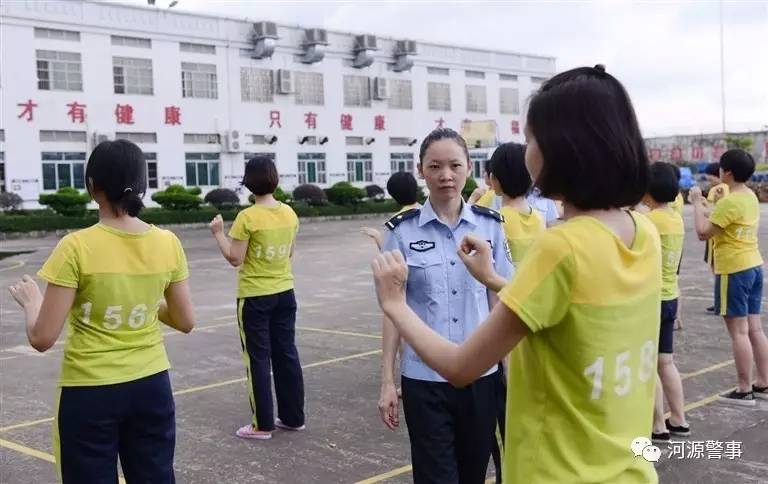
{"x": 279, "y": 424}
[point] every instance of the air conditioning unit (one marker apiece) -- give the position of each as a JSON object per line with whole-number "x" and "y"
{"x": 264, "y": 30}
{"x": 315, "y": 37}
{"x": 264, "y": 36}
{"x": 234, "y": 142}
{"x": 97, "y": 138}
{"x": 284, "y": 81}
{"x": 380, "y": 88}
{"x": 404, "y": 50}
{"x": 405, "y": 47}
{"x": 315, "y": 41}
{"x": 365, "y": 42}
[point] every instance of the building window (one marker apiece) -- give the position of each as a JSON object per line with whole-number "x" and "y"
{"x": 476, "y": 101}
{"x": 56, "y": 34}
{"x": 507, "y": 77}
{"x": 137, "y": 137}
{"x": 197, "y": 48}
{"x": 401, "y": 162}
{"x": 509, "y": 100}
{"x": 439, "y": 96}
{"x": 2, "y": 171}
{"x": 63, "y": 169}
{"x": 131, "y": 41}
{"x": 479, "y": 160}
{"x": 202, "y": 169}
{"x": 474, "y": 74}
{"x": 151, "y": 169}
{"x": 202, "y": 139}
{"x": 309, "y": 88}
{"x": 400, "y": 96}
{"x": 311, "y": 168}
{"x": 438, "y": 71}
{"x": 65, "y": 136}
{"x": 257, "y": 85}
{"x": 357, "y": 91}
{"x": 2, "y": 135}
{"x": 353, "y": 140}
{"x": 132, "y": 76}
{"x": 359, "y": 167}
{"x": 248, "y": 155}
{"x": 198, "y": 80}
{"x": 59, "y": 71}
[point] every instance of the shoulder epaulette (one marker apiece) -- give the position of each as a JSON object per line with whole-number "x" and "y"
{"x": 488, "y": 212}
{"x": 401, "y": 217}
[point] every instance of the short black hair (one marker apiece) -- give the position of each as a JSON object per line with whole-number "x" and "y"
{"x": 663, "y": 186}
{"x": 738, "y": 163}
{"x": 261, "y": 176}
{"x": 402, "y": 186}
{"x": 585, "y": 126}
{"x": 437, "y": 135}
{"x": 678, "y": 174}
{"x": 713, "y": 169}
{"x": 118, "y": 169}
{"x": 489, "y": 166}
{"x": 509, "y": 168}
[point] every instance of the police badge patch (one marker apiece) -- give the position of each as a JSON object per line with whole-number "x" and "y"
{"x": 422, "y": 245}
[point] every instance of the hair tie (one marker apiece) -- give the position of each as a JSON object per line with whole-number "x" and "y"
{"x": 600, "y": 68}
{"x": 129, "y": 189}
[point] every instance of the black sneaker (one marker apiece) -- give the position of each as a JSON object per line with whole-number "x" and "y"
{"x": 744, "y": 399}
{"x": 760, "y": 392}
{"x": 661, "y": 438}
{"x": 711, "y": 309}
{"x": 678, "y": 429}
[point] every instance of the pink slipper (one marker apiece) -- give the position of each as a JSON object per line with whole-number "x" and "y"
{"x": 279, "y": 423}
{"x": 248, "y": 432}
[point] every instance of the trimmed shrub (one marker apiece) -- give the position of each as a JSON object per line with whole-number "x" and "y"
{"x": 222, "y": 198}
{"x": 281, "y": 196}
{"x": 344, "y": 193}
{"x": 310, "y": 194}
{"x": 66, "y": 201}
{"x": 10, "y": 201}
{"x": 176, "y": 197}
{"x": 375, "y": 192}
{"x": 469, "y": 187}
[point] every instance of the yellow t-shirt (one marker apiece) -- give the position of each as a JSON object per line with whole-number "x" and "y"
{"x": 120, "y": 279}
{"x": 581, "y": 385}
{"x": 521, "y": 229}
{"x": 711, "y": 199}
{"x": 669, "y": 223}
{"x": 487, "y": 199}
{"x": 736, "y": 249}
{"x": 270, "y": 232}
{"x": 678, "y": 204}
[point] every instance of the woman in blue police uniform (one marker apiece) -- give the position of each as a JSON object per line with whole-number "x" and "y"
{"x": 451, "y": 429}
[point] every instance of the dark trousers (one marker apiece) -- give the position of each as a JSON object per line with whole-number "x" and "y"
{"x": 497, "y": 452}
{"x": 268, "y": 338}
{"x": 451, "y": 429}
{"x": 135, "y": 420}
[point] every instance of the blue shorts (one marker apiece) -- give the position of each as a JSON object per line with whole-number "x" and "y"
{"x": 739, "y": 294}
{"x": 667, "y": 328}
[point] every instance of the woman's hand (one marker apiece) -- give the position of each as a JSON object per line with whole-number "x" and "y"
{"x": 475, "y": 253}
{"x": 216, "y": 225}
{"x": 390, "y": 273}
{"x": 27, "y": 293}
{"x": 694, "y": 195}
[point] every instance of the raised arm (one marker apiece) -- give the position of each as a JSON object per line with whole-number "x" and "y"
{"x": 44, "y": 315}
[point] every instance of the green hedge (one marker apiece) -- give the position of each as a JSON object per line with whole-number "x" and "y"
{"x": 34, "y": 220}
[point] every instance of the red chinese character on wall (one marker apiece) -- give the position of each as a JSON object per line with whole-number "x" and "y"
{"x": 346, "y": 122}
{"x": 172, "y": 115}
{"x": 27, "y": 111}
{"x": 124, "y": 114}
{"x": 274, "y": 119}
{"x": 76, "y": 112}
{"x": 697, "y": 152}
{"x": 310, "y": 119}
{"x": 378, "y": 122}
{"x": 655, "y": 154}
{"x": 676, "y": 154}
{"x": 515, "y": 126}
{"x": 440, "y": 122}
{"x": 717, "y": 151}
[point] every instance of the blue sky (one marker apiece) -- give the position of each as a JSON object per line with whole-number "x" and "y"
{"x": 667, "y": 54}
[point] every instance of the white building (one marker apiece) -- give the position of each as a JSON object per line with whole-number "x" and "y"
{"x": 200, "y": 93}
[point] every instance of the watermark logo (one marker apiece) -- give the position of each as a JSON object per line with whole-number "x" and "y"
{"x": 641, "y": 447}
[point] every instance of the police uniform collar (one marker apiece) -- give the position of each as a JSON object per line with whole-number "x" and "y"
{"x": 428, "y": 214}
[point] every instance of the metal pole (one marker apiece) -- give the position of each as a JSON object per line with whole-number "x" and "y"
{"x": 722, "y": 69}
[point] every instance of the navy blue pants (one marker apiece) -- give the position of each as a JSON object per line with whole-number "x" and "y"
{"x": 268, "y": 339}
{"x": 135, "y": 420}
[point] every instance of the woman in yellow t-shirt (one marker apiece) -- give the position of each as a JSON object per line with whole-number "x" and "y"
{"x": 717, "y": 190}
{"x": 262, "y": 241}
{"x": 581, "y": 315}
{"x": 114, "y": 282}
